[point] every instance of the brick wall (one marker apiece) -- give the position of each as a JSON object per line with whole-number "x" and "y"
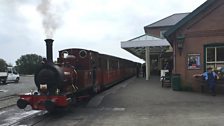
{"x": 206, "y": 28}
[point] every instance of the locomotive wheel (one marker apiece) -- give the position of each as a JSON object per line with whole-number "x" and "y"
{"x": 49, "y": 105}
{"x": 22, "y": 103}
{"x": 73, "y": 100}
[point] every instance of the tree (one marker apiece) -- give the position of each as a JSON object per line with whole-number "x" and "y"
{"x": 3, "y": 65}
{"x": 28, "y": 64}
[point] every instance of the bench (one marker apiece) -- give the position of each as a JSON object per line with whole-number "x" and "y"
{"x": 166, "y": 81}
{"x": 204, "y": 86}
{"x": 165, "y": 78}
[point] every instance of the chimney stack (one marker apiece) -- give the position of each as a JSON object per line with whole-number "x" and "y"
{"x": 49, "y": 43}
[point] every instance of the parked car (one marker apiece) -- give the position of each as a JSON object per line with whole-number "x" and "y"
{"x": 10, "y": 74}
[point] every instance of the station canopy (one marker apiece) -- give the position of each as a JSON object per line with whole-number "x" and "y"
{"x": 137, "y": 46}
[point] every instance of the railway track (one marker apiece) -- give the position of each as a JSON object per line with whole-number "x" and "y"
{"x": 32, "y": 119}
{"x": 8, "y": 101}
{"x": 8, "y": 97}
{"x": 27, "y": 117}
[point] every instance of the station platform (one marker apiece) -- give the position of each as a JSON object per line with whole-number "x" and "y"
{"x": 141, "y": 102}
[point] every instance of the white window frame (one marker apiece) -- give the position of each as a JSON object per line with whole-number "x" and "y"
{"x": 213, "y": 62}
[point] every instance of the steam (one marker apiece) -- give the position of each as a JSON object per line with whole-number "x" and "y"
{"x": 51, "y": 17}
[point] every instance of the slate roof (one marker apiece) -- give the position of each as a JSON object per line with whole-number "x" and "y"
{"x": 188, "y": 18}
{"x": 168, "y": 21}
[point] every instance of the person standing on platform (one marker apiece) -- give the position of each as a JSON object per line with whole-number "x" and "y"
{"x": 210, "y": 77}
{"x": 170, "y": 68}
{"x": 137, "y": 70}
{"x": 144, "y": 70}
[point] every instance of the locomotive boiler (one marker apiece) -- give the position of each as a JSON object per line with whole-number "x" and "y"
{"x": 77, "y": 72}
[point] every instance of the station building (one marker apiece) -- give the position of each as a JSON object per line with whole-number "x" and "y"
{"x": 196, "y": 42}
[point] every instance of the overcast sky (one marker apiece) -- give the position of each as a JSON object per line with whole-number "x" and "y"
{"x": 98, "y": 25}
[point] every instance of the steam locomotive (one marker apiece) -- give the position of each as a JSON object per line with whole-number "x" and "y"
{"x": 77, "y": 72}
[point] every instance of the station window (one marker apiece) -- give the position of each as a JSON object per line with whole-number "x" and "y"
{"x": 215, "y": 57}
{"x": 162, "y": 34}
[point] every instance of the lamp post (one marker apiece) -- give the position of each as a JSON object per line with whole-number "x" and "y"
{"x": 180, "y": 43}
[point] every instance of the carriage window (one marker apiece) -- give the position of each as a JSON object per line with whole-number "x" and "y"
{"x": 65, "y": 54}
{"x": 113, "y": 64}
{"x": 104, "y": 64}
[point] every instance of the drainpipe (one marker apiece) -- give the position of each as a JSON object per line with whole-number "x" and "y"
{"x": 174, "y": 57}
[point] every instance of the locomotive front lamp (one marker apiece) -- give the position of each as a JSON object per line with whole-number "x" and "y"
{"x": 180, "y": 43}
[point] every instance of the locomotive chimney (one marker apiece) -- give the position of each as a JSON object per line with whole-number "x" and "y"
{"x": 49, "y": 43}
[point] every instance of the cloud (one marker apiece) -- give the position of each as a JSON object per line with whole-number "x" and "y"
{"x": 99, "y": 25}
{"x": 15, "y": 33}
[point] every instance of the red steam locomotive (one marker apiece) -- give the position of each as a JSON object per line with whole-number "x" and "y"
{"x": 77, "y": 72}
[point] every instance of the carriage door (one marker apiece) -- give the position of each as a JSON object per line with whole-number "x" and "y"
{"x": 93, "y": 65}
{"x": 94, "y": 71}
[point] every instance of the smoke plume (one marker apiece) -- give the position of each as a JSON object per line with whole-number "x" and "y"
{"x": 51, "y": 17}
